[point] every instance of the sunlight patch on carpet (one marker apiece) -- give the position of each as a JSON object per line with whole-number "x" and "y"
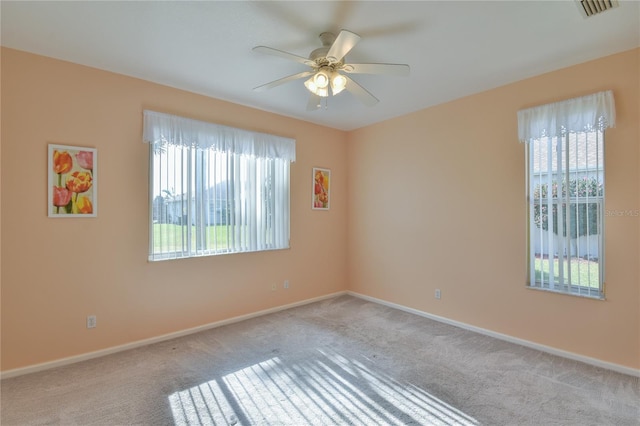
{"x": 325, "y": 389}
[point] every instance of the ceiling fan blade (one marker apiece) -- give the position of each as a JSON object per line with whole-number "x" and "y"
{"x": 342, "y": 45}
{"x": 360, "y": 92}
{"x": 386, "y": 69}
{"x": 314, "y": 102}
{"x": 283, "y": 80}
{"x": 283, "y": 54}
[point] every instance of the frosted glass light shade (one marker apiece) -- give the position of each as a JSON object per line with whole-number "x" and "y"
{"x": 338, "y": 83}
{"x": 321, "y": 79}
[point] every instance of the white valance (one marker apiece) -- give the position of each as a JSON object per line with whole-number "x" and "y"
{"x": 596, "y": 111}
{"x": 171, "y": 129}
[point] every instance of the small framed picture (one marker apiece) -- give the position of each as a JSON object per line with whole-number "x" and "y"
{"x": 321, "y": 187}
{"x": 73, "y": 183}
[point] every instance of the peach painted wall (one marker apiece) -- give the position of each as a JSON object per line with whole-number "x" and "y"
{"x": 418, "y": 217}
{"x": 437, "y": 200}
{"x": 55, "y": 272}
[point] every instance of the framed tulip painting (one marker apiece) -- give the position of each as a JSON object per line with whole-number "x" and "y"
{"x": 73, "y": 190}
{"x": 321, "y": 186}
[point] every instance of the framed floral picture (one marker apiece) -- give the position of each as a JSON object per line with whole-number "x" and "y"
{"x": 321, "y": 187}
{"x": 73, "y": 190}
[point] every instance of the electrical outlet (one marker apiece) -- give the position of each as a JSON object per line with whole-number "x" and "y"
{"x": 92, "y": 321}
{"x": 274, "y": 287}
{"x": 438, "y": 293}
{"x": 286, "y": 284}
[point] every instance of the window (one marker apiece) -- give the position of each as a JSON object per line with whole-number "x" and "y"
{"x": 215, "y": 189}
{"x": 565, "y": 193}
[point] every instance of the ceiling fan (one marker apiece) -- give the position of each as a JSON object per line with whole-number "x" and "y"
{"x": 328, "y": 67}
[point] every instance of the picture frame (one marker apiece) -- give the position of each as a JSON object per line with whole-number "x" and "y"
{"x": 320, "y": 189}
{"x": 72, "y": 181}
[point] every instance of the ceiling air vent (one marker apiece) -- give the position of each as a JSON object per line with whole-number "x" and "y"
{"x": 593, "y": 7}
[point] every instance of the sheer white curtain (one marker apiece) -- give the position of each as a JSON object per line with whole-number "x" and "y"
{"x": 175, "y": 130}
{"x": 591, "y": 112}
{"x": 215, "y": 189}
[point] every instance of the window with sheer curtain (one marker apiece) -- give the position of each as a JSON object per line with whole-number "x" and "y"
{"x": 565, "y": 192}
{"x": 215, "y": 189}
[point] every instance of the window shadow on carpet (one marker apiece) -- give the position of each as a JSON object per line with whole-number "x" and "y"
{"x": 328, "y": 388}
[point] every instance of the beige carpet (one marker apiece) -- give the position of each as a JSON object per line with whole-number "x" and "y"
{"x": 342, "y": 361}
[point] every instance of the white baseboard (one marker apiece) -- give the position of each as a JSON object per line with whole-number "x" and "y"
{"x": 96, "y": 354}
{"x": 543, "y": 348}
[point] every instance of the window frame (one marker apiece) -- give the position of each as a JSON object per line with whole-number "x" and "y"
{"x": 195, "y": 163}
{"x": 562, "y": 215}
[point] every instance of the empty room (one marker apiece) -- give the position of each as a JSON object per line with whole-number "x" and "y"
{"x": 320, "y": 213}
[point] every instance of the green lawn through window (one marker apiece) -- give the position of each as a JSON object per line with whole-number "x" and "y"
{"x": 169, "y": 238}
{"x": 583, "y": 272}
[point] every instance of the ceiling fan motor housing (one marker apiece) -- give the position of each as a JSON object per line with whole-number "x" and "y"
{"x": 319, "y": 55}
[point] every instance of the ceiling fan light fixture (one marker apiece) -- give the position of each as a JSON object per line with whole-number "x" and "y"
{"x": 310, "y": 85}
{"x": 323, "y": 91}
{"x": 338, "y": 83}
{"x": 321, "y": 79}
{"x": 313, "y": 88}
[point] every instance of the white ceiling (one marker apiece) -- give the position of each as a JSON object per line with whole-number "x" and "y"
{"x": 454, "y": 48}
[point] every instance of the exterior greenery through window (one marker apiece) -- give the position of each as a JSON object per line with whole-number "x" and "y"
{"x": 566, "y": 193}
{"x": 583, "y": 218}
{"x": 215, "y": 189}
